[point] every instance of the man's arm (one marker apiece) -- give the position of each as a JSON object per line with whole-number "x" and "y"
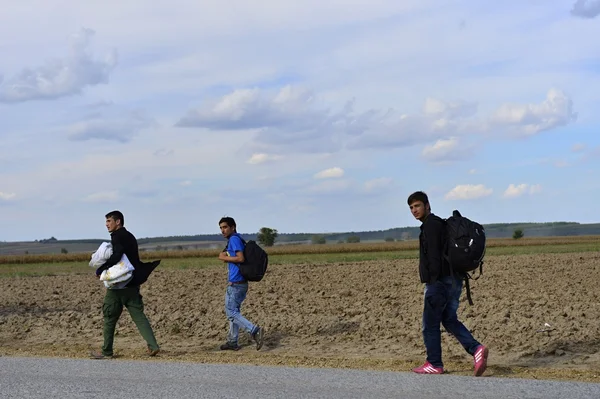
{"x": 434, "y": 233}
{"x": 237, "y": 247}
{"x": 238, "y": 258}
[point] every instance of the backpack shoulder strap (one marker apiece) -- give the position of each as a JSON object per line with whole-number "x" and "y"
{"x": 468, "y": 287}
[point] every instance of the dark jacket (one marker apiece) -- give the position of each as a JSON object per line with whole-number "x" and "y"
{"x": 432, "y": 264}
{"x": 123, "y": 242}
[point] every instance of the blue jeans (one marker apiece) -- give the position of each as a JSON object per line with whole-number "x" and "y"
{"x": 234, "y": 297}
{"x": 441, "y": 304}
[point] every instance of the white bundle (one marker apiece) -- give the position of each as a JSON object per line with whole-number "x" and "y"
{"x": 101, "y": 255}
{"x": 116, "y": 276}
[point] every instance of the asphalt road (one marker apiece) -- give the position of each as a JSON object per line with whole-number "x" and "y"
{"x": 66, "y": 378}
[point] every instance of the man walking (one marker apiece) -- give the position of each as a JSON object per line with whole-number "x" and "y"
{"x": 126, "y": 294}
{"x": 442, "y": 292}
{"x": 237, "y": 288}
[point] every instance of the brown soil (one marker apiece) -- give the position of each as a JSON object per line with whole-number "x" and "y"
{"x": 359, "y": 315}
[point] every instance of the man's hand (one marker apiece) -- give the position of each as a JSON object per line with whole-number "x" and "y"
{"x": 223, "y": 256}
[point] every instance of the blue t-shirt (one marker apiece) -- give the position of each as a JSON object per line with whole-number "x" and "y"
{"x": 234, "y": 245}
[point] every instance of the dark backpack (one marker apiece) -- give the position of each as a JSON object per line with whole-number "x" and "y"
{"x": 255, "y": 263}
{"x": 465, "y": 247}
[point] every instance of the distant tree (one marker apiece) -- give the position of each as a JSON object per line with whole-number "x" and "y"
{"x": 518, "y": 233}
{"x": 64, "y": 251}
{"x": 353, "y": 239}
{"x": 405, "y": 236}
{"x": 318, "y": 239}
{"x": 389, "y": 239}
{"x": 266, "y": 236}
{"x": 340, "y": 241}
{"x": 180, "y": 248}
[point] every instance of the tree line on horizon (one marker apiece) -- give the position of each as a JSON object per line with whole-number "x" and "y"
{"x": 269, "y": 236}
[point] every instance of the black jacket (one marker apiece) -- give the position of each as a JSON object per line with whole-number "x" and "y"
{"x": 123, "y": 242}
{"x": 432, "y": 264}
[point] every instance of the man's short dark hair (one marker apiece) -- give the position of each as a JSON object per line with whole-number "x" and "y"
{"x": 116, "y": 215}
{"x": 229, "y": 220}
{"x": 418, "y": 196}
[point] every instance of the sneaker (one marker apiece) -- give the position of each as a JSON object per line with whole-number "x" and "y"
{"x": 427, "y": 368}
{"x": 480, "y": 360}
{"x": 258, "y": 337}
{"x": 227, "y": 346}
{"x": 99, "y": 355}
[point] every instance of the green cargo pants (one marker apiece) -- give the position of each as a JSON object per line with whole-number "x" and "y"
{"x": 114, "y": 300}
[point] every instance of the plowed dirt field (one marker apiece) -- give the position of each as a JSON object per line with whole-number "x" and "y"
{"x": 363, "y": 315}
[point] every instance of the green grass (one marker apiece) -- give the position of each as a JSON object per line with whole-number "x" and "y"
{"x": 49, "y": 269}
{"x": 545, "y": 249}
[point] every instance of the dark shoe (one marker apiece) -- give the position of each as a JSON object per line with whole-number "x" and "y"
{"x": 227, "y": 346}
{"x": 258, "y": 337}
{"x": 153, "y": 352}
{"x": 99, "y": 355}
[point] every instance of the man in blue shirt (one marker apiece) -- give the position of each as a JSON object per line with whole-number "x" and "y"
{"x": 237, "y": 288}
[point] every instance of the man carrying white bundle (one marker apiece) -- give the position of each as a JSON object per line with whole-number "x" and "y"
{"x": 117, "y": 276}
{"x": 117, "y": 297}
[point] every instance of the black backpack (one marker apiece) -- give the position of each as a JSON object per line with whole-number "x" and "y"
{"x": 465, "y": 247}
{"x": 255, "y": 263}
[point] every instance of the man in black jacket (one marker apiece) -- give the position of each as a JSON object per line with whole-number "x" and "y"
{"x": 127, "y": 294}
{"x": 442, "y": 292}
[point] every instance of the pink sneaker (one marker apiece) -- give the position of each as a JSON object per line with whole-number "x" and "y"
{"x": 427, "y": 368}
{"x": 480, "y": 360}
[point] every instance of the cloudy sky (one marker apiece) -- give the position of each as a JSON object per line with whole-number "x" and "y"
{"x": 312, "y": 116}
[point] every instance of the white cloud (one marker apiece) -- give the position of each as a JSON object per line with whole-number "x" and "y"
{"x": 253, "y": 109}
{"x": 330, "y": 173}
{"x": 185, "y": 183}
{"x": 514, "y": 191}
{"x": 517, "y": 190}
{"x": 447, "y": 150}
{"x": 468, "y": 191}
{"x": 450, "y": 110}
{"x": 6, "y": 196}
{"x": 529, "y": 119}
{"x": 536, "y": 188}
{"x": 586, "y": 8}
{"x": 473, "y": 171}
{"x": 109, "y": 123}
{"x": 293, "y": 119}
{"x": 103, "y": 196}
{"x": 260, "y": 158}
{"x": 60, "y": 78}
{"x": 578, "y": 147}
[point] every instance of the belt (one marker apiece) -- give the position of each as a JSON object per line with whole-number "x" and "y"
{"x": 236, "y": 282}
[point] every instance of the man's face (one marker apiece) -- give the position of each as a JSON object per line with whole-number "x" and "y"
{"x": 419, "y": 210}
{"x": 226, "y": 230}
{"x": 112, "y": 224}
